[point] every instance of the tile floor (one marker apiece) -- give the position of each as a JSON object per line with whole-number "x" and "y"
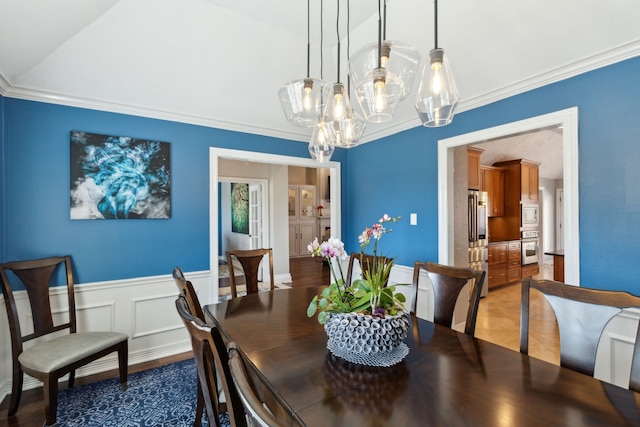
{"x": 499, "y": 321}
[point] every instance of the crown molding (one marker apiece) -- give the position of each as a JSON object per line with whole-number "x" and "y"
{"x": 618, "y": 54}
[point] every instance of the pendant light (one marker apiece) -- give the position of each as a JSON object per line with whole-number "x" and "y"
{"x": 381, "y": 90}
{"x": 320, "y": 147}
{"x": 338, "y": 112}
{"x": 356, "y": 128}
{"x": 303, "y": 100}
{"x": 438, "y": 94}
{"x": 398, "y": 57}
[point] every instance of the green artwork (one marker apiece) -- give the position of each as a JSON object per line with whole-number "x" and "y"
{"x": 240, "y": 208}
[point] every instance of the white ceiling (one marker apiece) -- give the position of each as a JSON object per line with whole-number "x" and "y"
{"x": 543, "y": 146}
{"x": 220, "y": 62}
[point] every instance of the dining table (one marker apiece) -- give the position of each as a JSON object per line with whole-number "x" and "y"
{"x": 447, "y": 379}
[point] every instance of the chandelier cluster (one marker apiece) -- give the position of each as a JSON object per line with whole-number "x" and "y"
{"x": 384, "y": 73}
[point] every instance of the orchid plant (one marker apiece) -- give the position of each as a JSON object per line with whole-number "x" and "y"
{"x": 368, "y": 295}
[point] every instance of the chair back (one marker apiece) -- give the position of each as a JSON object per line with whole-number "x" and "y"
{"x": 37, "y": 276}
{"x": 257, "y": 413}
{"x": 188, "y": 291}
{"x": 366, "y": 262}
{"x": 582, "y": 315}
{"x": 447, "y": 283}
{"x": 212, "y": 363}
{"x": 250, "y": 260}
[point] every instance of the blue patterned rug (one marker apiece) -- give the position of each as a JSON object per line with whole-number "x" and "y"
{"x": 164, "y": 396}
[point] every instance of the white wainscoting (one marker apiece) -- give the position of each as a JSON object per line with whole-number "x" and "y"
{"x": 143, "y": 308}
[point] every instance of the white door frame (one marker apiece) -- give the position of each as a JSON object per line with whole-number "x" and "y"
{"x": 568, "y": 119}
{"x": 215, "y": 154}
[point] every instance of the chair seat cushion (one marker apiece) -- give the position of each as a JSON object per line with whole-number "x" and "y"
{"x": 62, "y": 351}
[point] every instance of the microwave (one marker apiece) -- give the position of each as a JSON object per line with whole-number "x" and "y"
{"x": 529, "y": 216}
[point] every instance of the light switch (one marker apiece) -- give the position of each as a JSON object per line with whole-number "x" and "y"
{"x": 413, "y": 219}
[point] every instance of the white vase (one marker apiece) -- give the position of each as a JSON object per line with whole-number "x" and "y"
{"x": 367, "y": 340}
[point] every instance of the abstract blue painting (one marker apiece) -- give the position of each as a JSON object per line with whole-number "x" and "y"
{"x": 118, "y": 177}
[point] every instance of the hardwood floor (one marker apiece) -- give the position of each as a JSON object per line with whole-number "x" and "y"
{"x": 498, "y": 322}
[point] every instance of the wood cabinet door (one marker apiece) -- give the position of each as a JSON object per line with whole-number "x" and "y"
{"x": 529, "y": 182}
{"x": 497, "y": 253}
{"x": 493, "y": 182}
{"x": 473, "y": 171}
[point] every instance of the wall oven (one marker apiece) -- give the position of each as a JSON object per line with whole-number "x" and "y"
{"x": 530, "y": 247}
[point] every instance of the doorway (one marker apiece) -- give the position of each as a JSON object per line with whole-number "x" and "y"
{"x": 568, "y": 120}
{"x": 273, "y": 168}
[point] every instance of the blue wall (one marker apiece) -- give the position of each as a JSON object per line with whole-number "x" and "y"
{"x": 395, "y": 175}
{"x": 36, "y": 192}
{"x": 398, "y": 174}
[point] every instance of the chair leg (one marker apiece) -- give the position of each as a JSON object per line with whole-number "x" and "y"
{"x": 72, "y": 378}
{"x": 199, "y": 406}
{"x": 16, "y": 391}
{"x": 123, "y": 356}
{"x": 51, "y": 399}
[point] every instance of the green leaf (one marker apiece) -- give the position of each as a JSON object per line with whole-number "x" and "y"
{"x": 326, "y": 292}
{"x": 322, "y": 317}
{"x": 364, "y": 300}
{"x": 311, "y": 310}
{"x": 323, "y": 303}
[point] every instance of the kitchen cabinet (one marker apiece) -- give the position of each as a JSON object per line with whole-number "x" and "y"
{"x": 303, "y": 227}
{"x": 302, "y": 202}
{"x": 497, "y": 264}
{"x": 492, "y": 181}
{"x": 514, "y": 255}
{"x": 300, "y": 235}
{"x": 529, "y": 182}
{"x": 520, "y": 186}
{"x": 504, "y": 261}
{"x": 530, "y": 270}
{"x": 473, "y": 171}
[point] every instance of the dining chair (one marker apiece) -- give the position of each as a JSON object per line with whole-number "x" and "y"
{"x": 364, "y": 261}
{"x": 250, "y": 260}
{"x": 447, "y": 283}
{"x": 188, "y": 291}
{"x": 256, "y": 412}
{"x": 581, "y": 314}
{"x": 212, "y": 365}
{"x": 57, "y": 355}
{"x": 195, "y": 309}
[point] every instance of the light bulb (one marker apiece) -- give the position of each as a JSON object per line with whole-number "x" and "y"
{"x": 338, "y": 110}
{"x": 307, "y": 102}
{"x": 436, "y": 78}
{"x": 379, "y": 100}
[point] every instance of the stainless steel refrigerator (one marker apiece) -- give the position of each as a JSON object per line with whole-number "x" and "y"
{"x": 478, "y": 222}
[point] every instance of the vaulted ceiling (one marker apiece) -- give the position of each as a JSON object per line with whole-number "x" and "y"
{"x": 220, "y": 63}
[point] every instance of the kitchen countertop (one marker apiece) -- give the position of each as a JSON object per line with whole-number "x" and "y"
{"x": 557, "y": 252}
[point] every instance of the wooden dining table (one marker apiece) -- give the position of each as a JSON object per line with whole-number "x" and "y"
{"x": 447, "y": 379}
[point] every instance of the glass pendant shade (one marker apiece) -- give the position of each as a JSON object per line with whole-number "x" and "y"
{"x": 339, "y": 115}
{"x": 400, "y": 58}
{"x": 353, "y": 130}
{"x": 379, "y": 94}
{"x": 303, "y": 101}
{"x": 319, "y": 146}
{"x": 438, "y": 94}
